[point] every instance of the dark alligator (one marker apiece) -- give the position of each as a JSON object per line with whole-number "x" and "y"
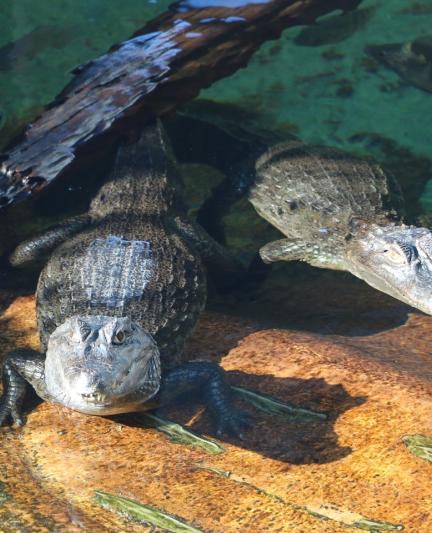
{"x": 122, "y": 290}
{"x": 412, "y": 60}
{"x": 342, "y": 212}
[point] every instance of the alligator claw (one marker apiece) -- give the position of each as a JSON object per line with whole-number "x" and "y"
{"x": 11, "y": 412}
{"x": 234, "y": 423}
{"x": 17, "y": 419}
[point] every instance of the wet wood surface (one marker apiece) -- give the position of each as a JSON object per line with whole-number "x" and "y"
{"x": 166, "y": 63}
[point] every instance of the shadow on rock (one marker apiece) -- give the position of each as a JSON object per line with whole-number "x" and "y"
{"x": 288, "y": 440}
{"x": 297, "y": 296}
{"x": 6, "y": 299}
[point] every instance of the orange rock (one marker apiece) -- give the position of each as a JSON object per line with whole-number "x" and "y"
{"x": 286, "y": 474}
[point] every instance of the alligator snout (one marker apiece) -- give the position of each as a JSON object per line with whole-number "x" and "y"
{"x": 90, "y": 385}
{"x": 96, "y": 394}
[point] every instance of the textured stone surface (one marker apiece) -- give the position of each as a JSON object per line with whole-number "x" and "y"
{"x": 376, "y": 389}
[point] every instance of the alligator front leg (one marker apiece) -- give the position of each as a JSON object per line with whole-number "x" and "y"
{"x": 298, "y": 250}
{"x": 225, "y": 269}
{"x": 34, "y": 251}
{"x": 209, "y": 378}
{"x": 20, "y": 368}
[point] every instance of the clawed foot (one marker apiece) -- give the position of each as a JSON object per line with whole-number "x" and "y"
{"x": 10, "y": 412}
{"x": 216, "y": 392}
{"x": 234, "y": 423}
{"x": 14, "y": 388}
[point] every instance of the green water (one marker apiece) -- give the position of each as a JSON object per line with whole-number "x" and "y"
{"x": 300, "y": 84}
{"x": 43, "y": 65}
{"x": 326, "y": 94}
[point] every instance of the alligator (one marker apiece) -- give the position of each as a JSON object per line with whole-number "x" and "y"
{"x": 412, "y": 60}
{"x": 342, "y": 212}
{"x": 121, "y": 291}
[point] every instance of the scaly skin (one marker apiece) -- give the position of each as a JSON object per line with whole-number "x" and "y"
{"x": 342, "y": 212}
{"x": 117, "y": 300}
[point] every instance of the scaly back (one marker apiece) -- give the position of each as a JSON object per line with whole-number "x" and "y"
{"x": 142, "y": 179}
{"x": 304, "y": 189}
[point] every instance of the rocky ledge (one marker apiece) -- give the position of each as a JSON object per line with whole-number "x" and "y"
{"x": 347, "y": 446}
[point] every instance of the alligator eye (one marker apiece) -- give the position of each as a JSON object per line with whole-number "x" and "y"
{"x": 395, "y": 255}
{"x": 409, "y": 251}
{"x": 119, "y": 337}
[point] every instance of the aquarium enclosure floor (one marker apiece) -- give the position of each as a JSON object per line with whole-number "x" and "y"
{"x": 342, "y": 435}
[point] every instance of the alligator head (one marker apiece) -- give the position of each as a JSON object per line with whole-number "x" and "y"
{"x": 101, "y": 365}
{"x": 396, "y": 260}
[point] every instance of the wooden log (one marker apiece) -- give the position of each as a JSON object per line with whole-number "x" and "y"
{"x": 161, "y": 66}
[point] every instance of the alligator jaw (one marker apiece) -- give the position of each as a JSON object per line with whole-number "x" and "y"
{"x": 396, "y": 260}
{"x": 101, "y": 365}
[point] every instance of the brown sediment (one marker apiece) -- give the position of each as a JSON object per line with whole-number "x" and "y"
{"x": 288, "y": 475}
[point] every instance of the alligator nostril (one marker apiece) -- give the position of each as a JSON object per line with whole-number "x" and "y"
{"x": 88, "y": 349}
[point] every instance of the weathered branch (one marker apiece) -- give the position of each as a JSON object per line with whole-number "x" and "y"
{"x": 166, "y": 63}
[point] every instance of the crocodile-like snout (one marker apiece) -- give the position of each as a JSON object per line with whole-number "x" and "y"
{"x": 396, "y": 260}
{"x": 102, "y": 365}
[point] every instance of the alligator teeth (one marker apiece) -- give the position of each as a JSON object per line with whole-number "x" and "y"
{"x": 94, "y": 396}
